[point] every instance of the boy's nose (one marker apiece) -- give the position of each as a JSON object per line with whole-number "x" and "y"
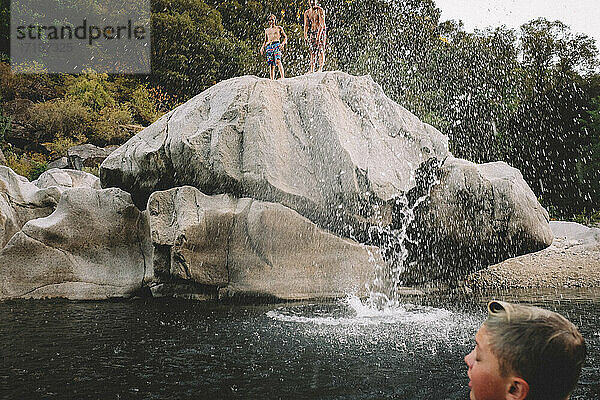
{"x": 469, "y": 359}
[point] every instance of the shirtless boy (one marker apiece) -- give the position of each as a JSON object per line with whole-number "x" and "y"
{"x": 524, "y": 353}
{"x": 315, "y": 34}
{"x": 273, "y": 46}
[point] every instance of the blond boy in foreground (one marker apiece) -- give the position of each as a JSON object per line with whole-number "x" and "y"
{"x": 524, "y": 352}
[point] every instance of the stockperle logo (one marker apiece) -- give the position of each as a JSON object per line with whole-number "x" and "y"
{"x": 72, "y": 36}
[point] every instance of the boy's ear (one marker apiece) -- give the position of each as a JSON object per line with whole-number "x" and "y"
{"x": 518, "y": 390}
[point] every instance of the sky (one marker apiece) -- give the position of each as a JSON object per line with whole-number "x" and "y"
{"x": 583, "y": 16}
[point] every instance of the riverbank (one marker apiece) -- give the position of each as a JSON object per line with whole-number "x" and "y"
{"x": 572, "y": 261}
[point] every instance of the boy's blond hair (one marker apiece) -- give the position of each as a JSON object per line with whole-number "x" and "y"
{"x": 540, "y": 346}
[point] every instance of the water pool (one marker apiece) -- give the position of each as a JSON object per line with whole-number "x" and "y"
{"x": 177, "y": 349}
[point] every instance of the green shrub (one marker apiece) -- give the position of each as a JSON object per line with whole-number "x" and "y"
{"x": 31, "y": 82}
{"x": 30, "y": 165}
{"x": 112, "y": 126}
{"x": 93, "y": 90}
{"x": 5, "y": 124}
{"x": 60, "y": 145}
{"x": 143, "y": 105}
{"x": 60, "y": 118}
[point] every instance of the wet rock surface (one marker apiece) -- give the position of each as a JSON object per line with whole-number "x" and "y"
{"x": 477, "y": 215}
{"x": 231, "y": 246}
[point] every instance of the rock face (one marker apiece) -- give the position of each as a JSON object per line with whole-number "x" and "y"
{"x": 96, "y": 245}
{"x": 87, "y": 155}
{"x": 65, "y": 179}
{"x": 251, "y": 247}
{"x": 574, "y": 236}
{"x": 476, "y": 216}
{"x": 335, "y": 149}
{"x": 330, "y": 146}
{"x": 21, "y": 201}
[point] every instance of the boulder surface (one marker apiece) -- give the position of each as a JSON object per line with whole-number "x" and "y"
{"x": 65, "y": 179}
{"x": 21, "y": 201}
{"x": 96, "y": 245}
{"x": 475, "y": 216}
{"x": 330, "y": 146}
{"x": 245, "y": 246}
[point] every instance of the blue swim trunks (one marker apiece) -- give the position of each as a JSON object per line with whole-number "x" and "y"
{"x": 273, "y": 53}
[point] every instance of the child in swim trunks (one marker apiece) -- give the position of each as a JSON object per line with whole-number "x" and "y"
{"x": 524, "y": 353}
{"x": 315, "y": 34}
{"x": 273, "y": 47}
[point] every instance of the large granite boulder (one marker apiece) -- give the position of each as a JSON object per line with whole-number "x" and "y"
{"x": 329, "y": 145}
{"x": 229, "y": 246}
{"x": 335, "y": 149}
{"x": 21, "y": 201}
{"x": 64, "y": 179}
{"x": 96, "y": 245}
{"x": 475, "y": 216}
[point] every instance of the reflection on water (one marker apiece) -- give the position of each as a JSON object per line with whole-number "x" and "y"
{"x": 188, "y": 350}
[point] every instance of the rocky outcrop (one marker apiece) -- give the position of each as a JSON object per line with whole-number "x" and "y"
{"x": 477, "y": 215}
{"x": 60, "y": 163}
{"x": 331, "y": 146}
{"x": 65, "y": 179}
{"x": 96, "y": 245}
{"x": 88, "y": 155}
{"x": 571, "y": 236}
{"x": 21, "y": 201}
{"x": 335, "y": 149}
{"x": 244, "y": 246}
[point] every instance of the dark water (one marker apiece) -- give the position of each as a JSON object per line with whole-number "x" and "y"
{"x": 167, "y": 349}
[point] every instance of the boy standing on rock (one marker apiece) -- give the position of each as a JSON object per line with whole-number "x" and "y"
{"x": 315, "y": 34}
{"x": 273, "y": 46}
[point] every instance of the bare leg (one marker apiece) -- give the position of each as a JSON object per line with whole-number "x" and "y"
{"x": 312, "y": 62}
{"x": 280, "y": 66}
{"x": 321, "y": 60}
{"x": 272, "y": 71}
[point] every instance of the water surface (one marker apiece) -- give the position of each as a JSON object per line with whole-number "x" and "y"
{"x": 176, "y": 349}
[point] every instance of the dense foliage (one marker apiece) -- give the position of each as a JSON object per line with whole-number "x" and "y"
{"x": 529, "y": 97}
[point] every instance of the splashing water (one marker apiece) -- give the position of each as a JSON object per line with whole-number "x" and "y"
{"x": 352, "y": 311}
{"x": 384, "y": 291}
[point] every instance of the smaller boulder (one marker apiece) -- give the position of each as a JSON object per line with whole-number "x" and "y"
{"x": 61, "y": 163}
{"x": 250, "y": 247}
{"x": 476, "y": 216}
{"x": 574, "y": 236}
{"x": 88, "y": 155}
{"x": 96, "y": 245}
{"x": 65, "y": 179}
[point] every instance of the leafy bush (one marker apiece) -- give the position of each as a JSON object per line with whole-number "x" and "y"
{"x": 31, "y": 82}
{"x": 112, "y": 126}
{"x": 60, "y": 118}
{"x": 143, "y": 105}
{"x": 30, "y": 165}
{"x": 5, "y": 122}
{"x": 59, "y": 147}
{"x": 93, "y": 90}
